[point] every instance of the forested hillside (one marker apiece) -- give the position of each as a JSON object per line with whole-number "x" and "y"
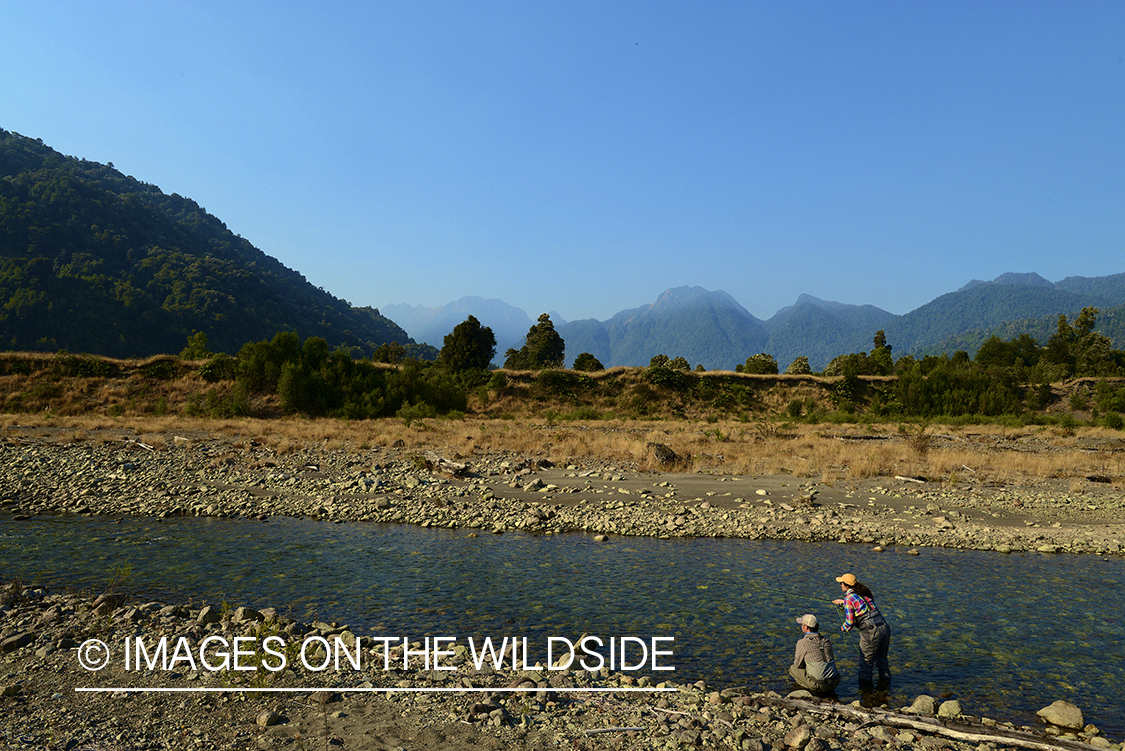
{"x": 92, "y": 260}
{"x": 1110, "y": 323}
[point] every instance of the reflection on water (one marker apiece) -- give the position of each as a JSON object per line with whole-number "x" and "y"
{"x": 1006, "y": 635}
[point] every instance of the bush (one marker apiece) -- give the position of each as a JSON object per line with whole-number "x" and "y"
{"x": 581, "y": 413}
{"x": 660, "y": 375}
{"x": 161, "y": 369}
{"x": 587, "y": 363}
{"x": 1108, "y": 398}
{"x": 221, "y": 367}
{"x": 800, "y": 366}
{"x": 1113, "y": 421}
{"x": 234, "y": 403}
{"x": 410, "y": 412}
{"x": 80, "y": 366}
{"x": 562, "y": 382}
{"x": 498, "y": 384}
{"x": 762, "y": 364}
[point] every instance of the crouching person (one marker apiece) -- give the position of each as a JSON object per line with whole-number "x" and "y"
{"x": 814, "y": 664}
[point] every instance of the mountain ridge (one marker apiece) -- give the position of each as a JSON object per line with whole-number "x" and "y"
{"x": 95, "y": 261}
{"x": 713, "y": 329}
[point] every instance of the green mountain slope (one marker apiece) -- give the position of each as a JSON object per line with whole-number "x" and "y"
{"x": 92, "y": 260}
{"x": 1110, "y": 323}
{"x": 821, "y": 330}
{"x": 707, "y": 328}
{"x": 981, "y": 306}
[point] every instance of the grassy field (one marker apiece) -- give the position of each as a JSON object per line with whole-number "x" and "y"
{"x": 824, "y": 453}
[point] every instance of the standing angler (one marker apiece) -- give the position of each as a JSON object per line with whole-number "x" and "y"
{"x": 861, "y": 612}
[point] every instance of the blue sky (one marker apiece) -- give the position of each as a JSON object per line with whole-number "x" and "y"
{"x": 585, "y": 156}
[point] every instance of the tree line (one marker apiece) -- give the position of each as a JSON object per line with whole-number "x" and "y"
{"x": 309, "y": 378}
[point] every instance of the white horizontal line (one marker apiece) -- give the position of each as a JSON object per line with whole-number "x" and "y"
{"x": 150, "y": 690}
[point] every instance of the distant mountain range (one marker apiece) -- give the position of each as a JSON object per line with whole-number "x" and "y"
{"x": 712, "y": 329}
{"x": 95, "y": 261}
{"x": 430, "y": 325}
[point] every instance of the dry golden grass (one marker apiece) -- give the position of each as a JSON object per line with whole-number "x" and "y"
{"x": 825, "y": 453}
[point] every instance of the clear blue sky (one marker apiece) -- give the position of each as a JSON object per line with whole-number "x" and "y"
{"x": 585, "y": 156}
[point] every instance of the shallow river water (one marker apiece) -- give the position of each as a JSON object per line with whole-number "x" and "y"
{"x": 1004, "y": 634}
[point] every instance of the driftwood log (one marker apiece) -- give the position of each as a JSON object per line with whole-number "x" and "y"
{"x": 936, "y": 726}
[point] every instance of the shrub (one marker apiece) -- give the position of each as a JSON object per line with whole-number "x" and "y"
{"x": 760, "y": 364}
{"x": 661, "y": 375}
{"x": 161, "y": 369}
{"x": 213, "y": 403}
{"x": 1108, "y": 398}
{"x": 498, "y": 383}
{"x": 80, "y": 366}
{"x": 800, "y": 366}
{"x": 586, "y": 362}
{"x": 796, "y": 406}
{"x": 221, "y": 367}
{"x": 581, "y": 413}
{"x": 409, "y": 412}
{"x": 562, "y": 382}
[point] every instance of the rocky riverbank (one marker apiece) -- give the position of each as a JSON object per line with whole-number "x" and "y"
{"x": 215, "y": 475}
{"x": 257, "y": 693}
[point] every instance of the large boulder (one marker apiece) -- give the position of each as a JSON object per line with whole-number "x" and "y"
{"x": 1063, "y": 714}
{"x": 951, "y": 708}
{"x": 923, "y": 705}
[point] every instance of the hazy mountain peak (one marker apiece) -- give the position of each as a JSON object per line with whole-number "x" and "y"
{"x": 681, "y": 297}
{"x": 807, "y": 298}
{"x": 1013, "y": 279}
{"x": 1029, "y": 279}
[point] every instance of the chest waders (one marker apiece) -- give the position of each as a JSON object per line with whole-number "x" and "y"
{"x": 874, "y": 644}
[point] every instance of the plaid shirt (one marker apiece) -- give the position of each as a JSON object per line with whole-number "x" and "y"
{"x": 854, "y": 606}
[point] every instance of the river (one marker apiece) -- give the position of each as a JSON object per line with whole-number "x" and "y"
{"x": 1004, "y": 634}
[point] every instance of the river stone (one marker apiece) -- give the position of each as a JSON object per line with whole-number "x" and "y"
{"x": 925, "y": 705}
{"x": 244, "y": 614}
{"x": 951, "y": 708}
{"x": 12, "y": 643}
{"x": 798, "y": 737}
{"x": 1064, "y": 714}
{"x": 268, "y": 717}
{"x": 208, "y": 614}
{"x": 663, "y": 455}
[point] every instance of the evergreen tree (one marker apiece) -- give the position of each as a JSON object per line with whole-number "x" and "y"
{"x": 543, "y": 348}
{"x": 470, "y": 346}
